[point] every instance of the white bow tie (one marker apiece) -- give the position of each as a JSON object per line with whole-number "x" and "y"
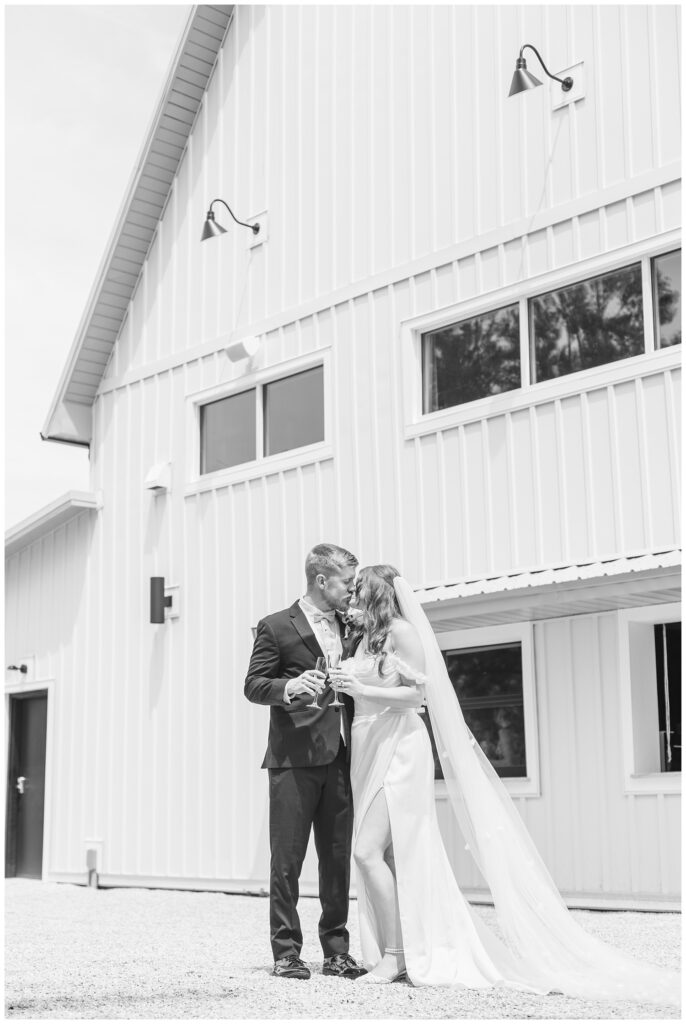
{"x": 317, "y": 616}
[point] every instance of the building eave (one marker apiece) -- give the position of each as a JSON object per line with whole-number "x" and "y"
{"x": 594, "y": 587}
{"x": 69, "y": 419}
{"x": 49, "y": 518}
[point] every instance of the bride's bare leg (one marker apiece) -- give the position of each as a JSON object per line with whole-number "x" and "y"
{"x": 374, "y": 858}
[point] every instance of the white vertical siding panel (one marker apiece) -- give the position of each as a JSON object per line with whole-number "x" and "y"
{"x": 557, "y": 56}
{"x": 631, "y": 483}
{"x": 603, "y": 493}
{"x": 477, "y": 509}
{"x": 644, "y": 215}
{"x": 421, "y": 144}
{"x": 465, "y": 125}
{"x": 665, "y": 37}
{"x": 344, "y": 148}
{"x": 428, "y": 472}
{"x": 443, "y": 101}
{"x": 640, "y": 79}
{"x": 309, "y": 159}
{"x": 551, "y": 498}
{"x": 359, "y": 166}
{"x": 571, "y": 469}
{"x": 486, "y": 150}
{"x": 500, "y": 487}
{"x": 612, "y": 99}
{"x": 586, "y": 143}
{"x": 523, "y": 463}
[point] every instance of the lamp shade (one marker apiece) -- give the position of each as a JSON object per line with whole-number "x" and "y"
{"x": 522, "y": 79}
{"x": 211, "y": 228}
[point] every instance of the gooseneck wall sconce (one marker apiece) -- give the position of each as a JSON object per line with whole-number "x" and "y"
{"x": 523, "y": 79}
{"x": 211, "y": 228}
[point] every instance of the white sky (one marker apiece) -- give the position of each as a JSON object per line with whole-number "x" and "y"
{"x": 82, "y": 83}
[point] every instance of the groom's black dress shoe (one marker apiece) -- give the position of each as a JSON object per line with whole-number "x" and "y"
{"x": 342, "y": 966}
{"x": 291, "y": 967}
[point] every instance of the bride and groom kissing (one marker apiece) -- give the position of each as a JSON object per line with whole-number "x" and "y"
{"x": 373, "y": 754}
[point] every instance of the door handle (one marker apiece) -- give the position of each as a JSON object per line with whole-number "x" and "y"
{"x": 20, "y": 783}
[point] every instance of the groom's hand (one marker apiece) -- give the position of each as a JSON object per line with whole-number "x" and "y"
{"x": 309, "y": 682}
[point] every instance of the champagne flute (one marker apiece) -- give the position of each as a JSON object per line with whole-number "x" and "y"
{"x": 334, "y": 660}
{"x": 320, "y": 666}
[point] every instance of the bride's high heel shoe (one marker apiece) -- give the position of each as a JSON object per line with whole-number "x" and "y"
{"x": 374, "y": 979}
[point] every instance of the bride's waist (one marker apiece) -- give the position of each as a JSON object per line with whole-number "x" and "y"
{"x": 367, "y": 714}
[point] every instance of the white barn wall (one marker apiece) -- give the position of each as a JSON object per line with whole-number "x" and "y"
{"x": 387, "y": 199}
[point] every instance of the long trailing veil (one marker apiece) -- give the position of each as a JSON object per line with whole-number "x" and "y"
{"x": 551, "y": 949}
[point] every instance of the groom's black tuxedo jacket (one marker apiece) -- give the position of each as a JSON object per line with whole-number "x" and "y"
{"x": 299, "y": 736}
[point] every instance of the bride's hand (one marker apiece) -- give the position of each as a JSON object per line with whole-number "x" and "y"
{"x": 346, "y": 682}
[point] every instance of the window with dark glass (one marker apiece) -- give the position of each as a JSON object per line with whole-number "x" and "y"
{"x": 488, "y": 684}
{"x": 228, "y": 432}
{"x": 472, "y": 359}
{"x": 667, "y": 299}
{"x": 668, "y": 674}
{"x": 291, "y": 410}
{"x": 587, "y": 324}
{"x": 294, "y": 411}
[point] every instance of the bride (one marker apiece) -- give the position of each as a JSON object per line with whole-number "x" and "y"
{"x": 414, "y": 921}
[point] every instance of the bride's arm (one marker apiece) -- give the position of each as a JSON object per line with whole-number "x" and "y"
{"x": 408, "y": 658}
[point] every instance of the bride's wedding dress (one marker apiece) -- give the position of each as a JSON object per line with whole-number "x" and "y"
{"x": 444, "y": 941}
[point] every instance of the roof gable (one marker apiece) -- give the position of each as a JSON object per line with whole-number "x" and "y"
{"x": 69, "y": 419}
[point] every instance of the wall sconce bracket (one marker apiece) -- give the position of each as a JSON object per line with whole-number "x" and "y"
{"x": 562, "y": 97}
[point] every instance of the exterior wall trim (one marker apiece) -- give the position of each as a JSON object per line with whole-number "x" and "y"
{"x": 517, "y": 229}
{"x": 49, "y": 518}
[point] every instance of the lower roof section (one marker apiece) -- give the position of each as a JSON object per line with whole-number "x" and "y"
{"x": 629, "y": 581}
{"x": 48, "y": 518}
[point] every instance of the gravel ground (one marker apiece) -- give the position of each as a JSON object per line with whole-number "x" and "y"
{"x": 73, "y": 952}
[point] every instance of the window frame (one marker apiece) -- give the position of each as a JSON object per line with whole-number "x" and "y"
{"x": 492, "y": 636}
{"x": 649, "y": 616}
{"x": 262, "y": 465}
{"x": 652, "y": 359}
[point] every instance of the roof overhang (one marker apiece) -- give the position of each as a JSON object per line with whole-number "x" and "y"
{"x": 552, "y": 593}
{"x": 49, "y": 518}
{"x": 70, "y": 417}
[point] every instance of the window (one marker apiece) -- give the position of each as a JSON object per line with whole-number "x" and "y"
{"x": 227, "y": 432}
{"x": 589, "y": 324}
{"x": 488, "y": 684}
{"x": 294, "y": 411}
{"x": 273, "y": 417}
{"x": 667, "y": 299}
{"x": 545, "y": 337}
{"x": 471, "y": 359}
{"x": 650, "y": 676}
{"x": 667, "y": 637}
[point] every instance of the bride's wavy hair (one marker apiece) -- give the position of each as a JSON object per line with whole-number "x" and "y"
{"x": 376, "y": 593}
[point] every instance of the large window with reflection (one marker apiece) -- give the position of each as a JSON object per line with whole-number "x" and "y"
{"x": 588, "y": 324}
{"x": 471, "y": 359}
{"x": 542, "y": 337}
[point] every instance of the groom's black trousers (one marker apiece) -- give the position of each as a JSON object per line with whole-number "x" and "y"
{"x": 301, "y": 799}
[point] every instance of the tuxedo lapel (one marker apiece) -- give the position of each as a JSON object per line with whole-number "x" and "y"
{"x": 305, "y": 630}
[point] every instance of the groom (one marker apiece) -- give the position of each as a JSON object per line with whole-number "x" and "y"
{"x": 308, "y": 759}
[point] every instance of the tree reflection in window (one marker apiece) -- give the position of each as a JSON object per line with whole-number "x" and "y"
{"x": 588, "y": 324}
{"x": 488, "y": 684}
{"x": 667, "y": 298}
{"x": 471, "y": 359}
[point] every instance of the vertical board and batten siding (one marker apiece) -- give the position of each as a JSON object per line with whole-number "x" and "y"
{"x": 374, "y": 150}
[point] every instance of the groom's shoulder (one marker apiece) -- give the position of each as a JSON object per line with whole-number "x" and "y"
{"x": 281, "y": 618}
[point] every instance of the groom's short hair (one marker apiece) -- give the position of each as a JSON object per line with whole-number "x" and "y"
{"x": 327, "y": 559}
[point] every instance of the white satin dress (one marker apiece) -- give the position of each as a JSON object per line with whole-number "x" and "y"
{"x": 444, "y": 942}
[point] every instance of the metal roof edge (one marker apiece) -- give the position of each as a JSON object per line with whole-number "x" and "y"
{"x": 58, "y": 512}
{"x": 47, "y": 432}
{"x": 536, "y": 579}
